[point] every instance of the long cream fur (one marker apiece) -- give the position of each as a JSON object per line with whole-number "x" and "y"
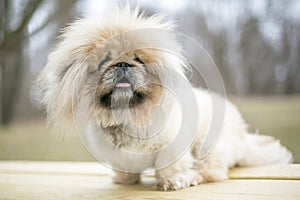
{"x": 63, "y": 85}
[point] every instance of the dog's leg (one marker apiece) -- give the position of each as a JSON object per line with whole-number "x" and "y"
{"x": 126, "y": 178}
{"x": 212, "y": 168}
{"x": 178, "y": 175}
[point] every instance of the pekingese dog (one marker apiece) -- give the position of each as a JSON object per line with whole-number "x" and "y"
{"x": 120, "y": 80}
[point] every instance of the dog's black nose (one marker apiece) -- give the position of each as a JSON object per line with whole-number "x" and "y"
{"x": 123, "y": 65}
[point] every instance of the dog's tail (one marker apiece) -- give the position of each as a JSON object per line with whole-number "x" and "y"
{"x": 262, "y": 150}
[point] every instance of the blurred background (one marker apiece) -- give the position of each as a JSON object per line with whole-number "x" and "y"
{"x": 255, "y": 44}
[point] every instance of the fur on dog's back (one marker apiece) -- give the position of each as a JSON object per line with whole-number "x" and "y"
{"x": 243, "y": 147}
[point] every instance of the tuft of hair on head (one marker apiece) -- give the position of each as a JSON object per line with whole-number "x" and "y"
{"x": 133, "y": 14}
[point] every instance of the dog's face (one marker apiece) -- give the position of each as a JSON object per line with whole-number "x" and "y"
{"x": 127, "y": 77}
{"x": 128, "y": 81}
{"x": 104, "y": 70}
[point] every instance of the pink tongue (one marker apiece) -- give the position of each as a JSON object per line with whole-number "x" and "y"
{"x": 123, "y": 85}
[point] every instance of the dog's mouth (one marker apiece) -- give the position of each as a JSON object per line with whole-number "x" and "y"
{"x": 123, "y": 83}
{"x": 123, "y": 95}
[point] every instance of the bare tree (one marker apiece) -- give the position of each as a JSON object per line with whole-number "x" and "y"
{"x": 13, "y": 41}
{"x": 250, "y": 60}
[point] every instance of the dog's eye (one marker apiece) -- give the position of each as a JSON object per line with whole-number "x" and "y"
{"x": 137, "y": 59}
{"x": 106, "y": 59}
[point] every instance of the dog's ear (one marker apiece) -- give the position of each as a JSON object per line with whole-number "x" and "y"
{"x": 61, "y": 71}
{"x": 49, "y": 80}
{"x": 55, "y": 90}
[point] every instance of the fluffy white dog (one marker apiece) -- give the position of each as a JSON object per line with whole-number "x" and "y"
{"x": 122, "y": 80}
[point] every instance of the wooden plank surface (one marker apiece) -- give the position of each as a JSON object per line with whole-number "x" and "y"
{"x": 69, "y": 180}
{"x": 285, "y": 172}
{"x": 65, "y": 168}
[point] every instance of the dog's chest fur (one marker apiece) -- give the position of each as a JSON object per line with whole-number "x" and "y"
{"x": 122, "y": 149}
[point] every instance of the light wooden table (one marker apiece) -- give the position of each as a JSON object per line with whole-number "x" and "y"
{"x": 90, "y": 180}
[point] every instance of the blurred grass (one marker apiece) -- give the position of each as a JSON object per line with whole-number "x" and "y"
{"x": 31, "y": 140}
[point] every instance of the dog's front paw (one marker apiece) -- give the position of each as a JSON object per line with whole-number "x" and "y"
{"x": 126, "y": 178}
{"x": 180, "y": 181}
